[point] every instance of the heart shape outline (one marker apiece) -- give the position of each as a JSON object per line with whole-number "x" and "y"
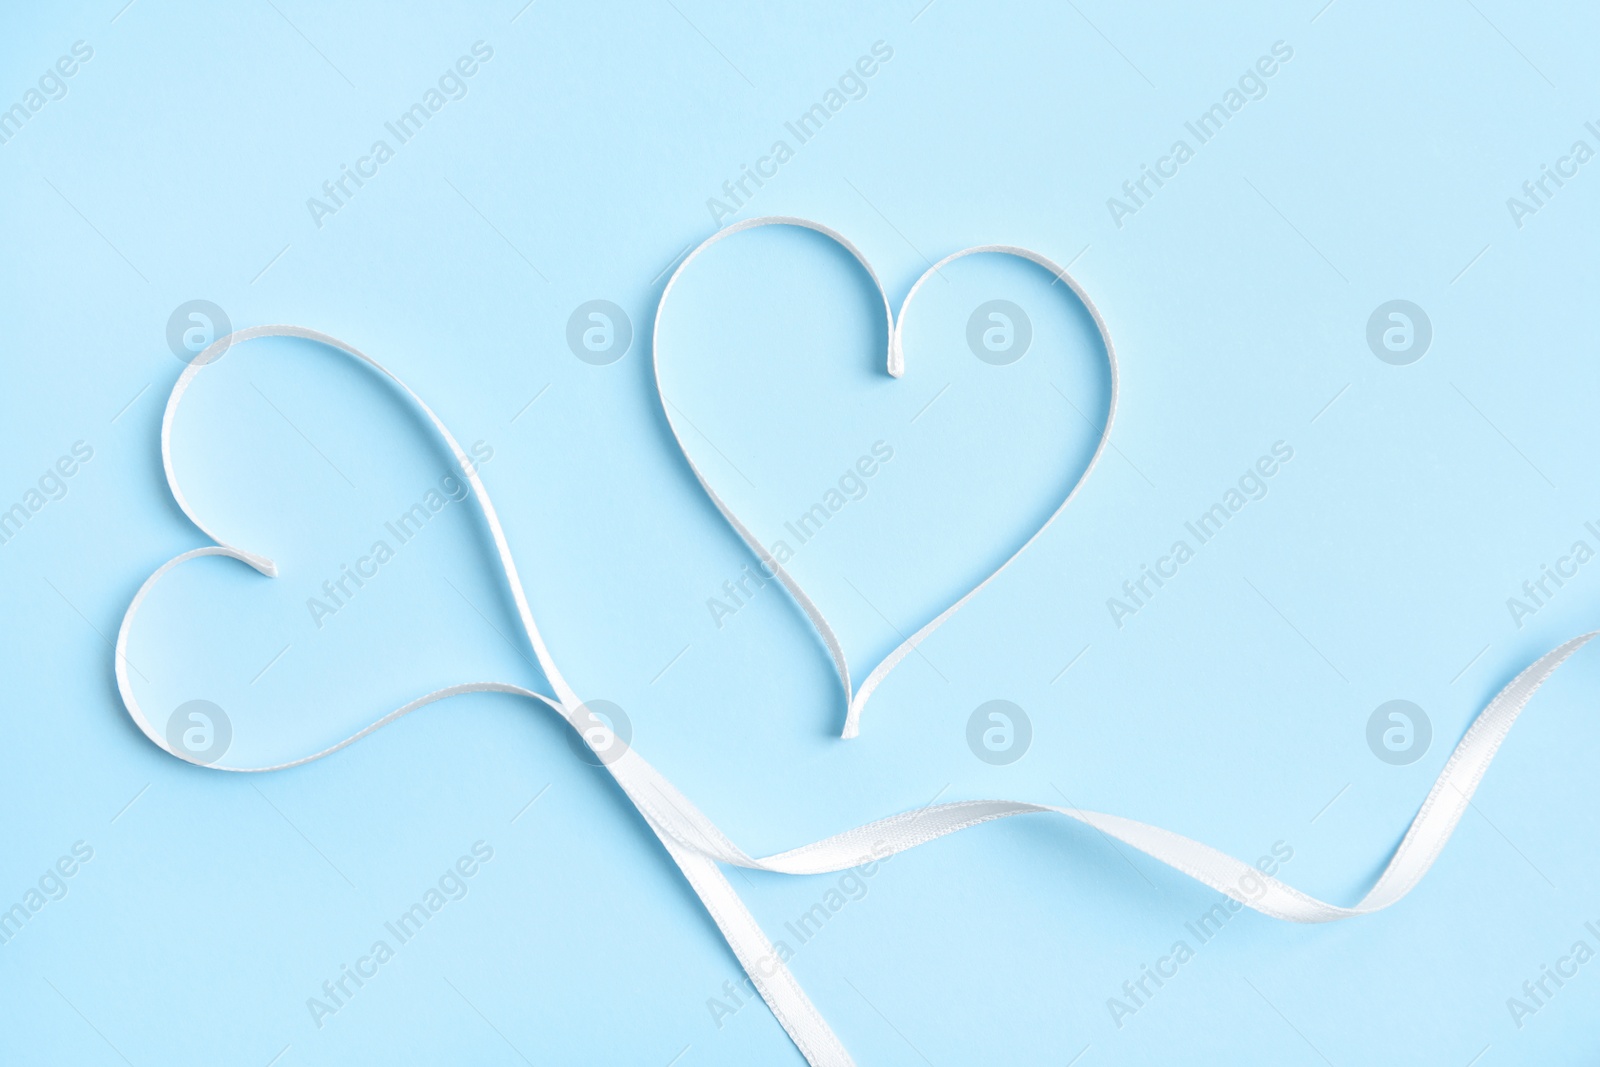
{"x": 566, "y": 702}
{"x": 856, "y": 700}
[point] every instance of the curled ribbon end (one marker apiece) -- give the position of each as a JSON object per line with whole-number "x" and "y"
{"x": 263, "y": 564}
{"x": 852, "y": 723}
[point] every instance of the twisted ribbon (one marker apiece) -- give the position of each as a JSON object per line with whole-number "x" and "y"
{"x": 696, "y": 844}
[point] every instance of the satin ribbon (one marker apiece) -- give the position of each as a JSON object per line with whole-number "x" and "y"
{"x": 856, "y": 700}
{"x": 696, "y": 844}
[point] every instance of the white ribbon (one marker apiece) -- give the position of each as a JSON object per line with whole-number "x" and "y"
{"x": 856, "y": 700}
{"x": 696, "y": 844}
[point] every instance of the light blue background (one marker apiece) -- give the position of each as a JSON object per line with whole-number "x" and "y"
{"x": 1233, "y": 708}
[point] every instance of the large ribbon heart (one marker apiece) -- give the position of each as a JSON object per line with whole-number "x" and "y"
{"x": 698, "y": 847}
{"x": 856, "y": 699}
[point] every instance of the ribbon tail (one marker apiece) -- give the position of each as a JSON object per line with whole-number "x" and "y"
{"x": 788, "y": 1002}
